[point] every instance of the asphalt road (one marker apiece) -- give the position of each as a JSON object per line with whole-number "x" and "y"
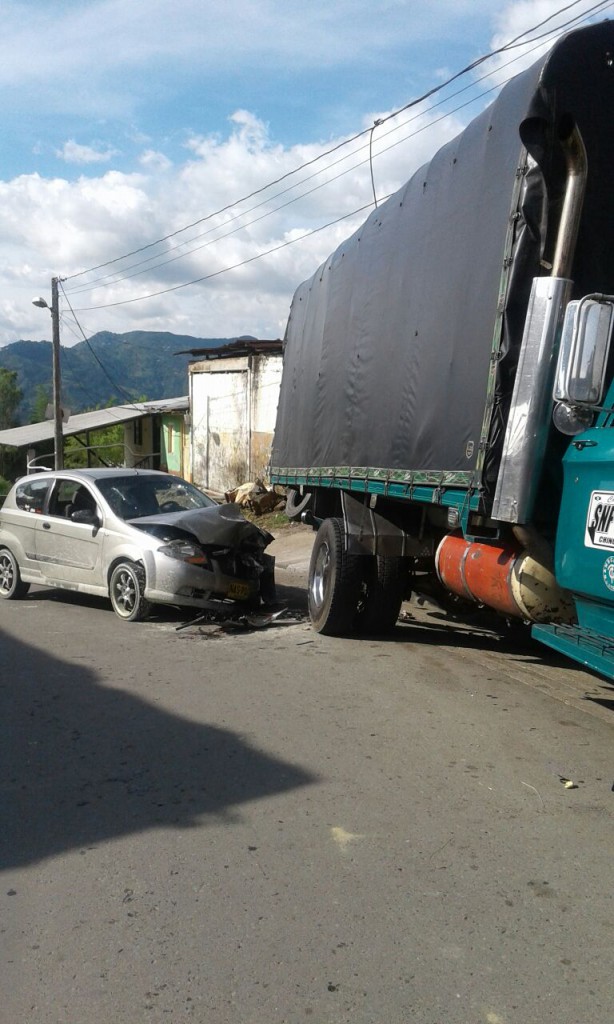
{"x": 277, "y": 827}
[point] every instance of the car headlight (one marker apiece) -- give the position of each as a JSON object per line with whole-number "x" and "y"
{"x": 185, "y": 551}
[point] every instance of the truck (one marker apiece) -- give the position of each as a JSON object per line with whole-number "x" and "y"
{"x": 446, "y": 410}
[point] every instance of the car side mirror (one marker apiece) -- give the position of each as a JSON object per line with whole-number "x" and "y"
{"x": 86, "y": 515}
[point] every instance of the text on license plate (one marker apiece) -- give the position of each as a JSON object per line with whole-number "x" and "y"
{"x": 240, "y": 591}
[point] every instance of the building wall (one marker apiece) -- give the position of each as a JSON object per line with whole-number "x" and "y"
{"x": 139, "y": 446}
{"x": 172, "y": 443}
{"x": 233, "y": 405}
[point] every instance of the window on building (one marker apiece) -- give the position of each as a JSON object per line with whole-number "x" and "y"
{"x": 137, "y": 432}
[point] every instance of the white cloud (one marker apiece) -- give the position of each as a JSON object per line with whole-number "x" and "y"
{"x": 52, "y": 227}
{"x": 153, "y": 160}
{"x": 74, "y": 153}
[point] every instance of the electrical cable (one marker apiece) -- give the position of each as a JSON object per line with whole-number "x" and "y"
{"x": 165, "y": 261}
{"x": 118, "y": 388}
{"x": 298, "y": 238}
{"x": 224, "y": 270}
{"x": 515, "y": 42}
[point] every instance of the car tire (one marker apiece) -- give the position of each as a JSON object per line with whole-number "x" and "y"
{"x": 12, "y": 587}
{"x": 127, "y": 590}
{"x": 334, "y": 582}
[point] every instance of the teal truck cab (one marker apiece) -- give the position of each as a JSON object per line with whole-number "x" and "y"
{"x": 446, "y": 415}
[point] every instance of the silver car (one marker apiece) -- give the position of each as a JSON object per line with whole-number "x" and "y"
{"x": 135, "y": 536}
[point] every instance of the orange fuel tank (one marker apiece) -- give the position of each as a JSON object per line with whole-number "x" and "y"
{"x": 503, "y": 577}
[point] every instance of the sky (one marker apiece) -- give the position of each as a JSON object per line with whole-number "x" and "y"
{"x": 125, "y": 122}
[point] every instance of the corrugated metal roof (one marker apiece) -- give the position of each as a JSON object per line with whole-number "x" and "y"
{"x": 33, "y": 433}
{"x": 240, "y": 347}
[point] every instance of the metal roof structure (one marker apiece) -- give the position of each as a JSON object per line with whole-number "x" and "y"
{"x": 81, "y": 423}
{"x": 240, "y": 347}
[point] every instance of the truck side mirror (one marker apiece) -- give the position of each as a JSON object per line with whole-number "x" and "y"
{"x": 585, "y": 343}
{"x": 580, "y": 374}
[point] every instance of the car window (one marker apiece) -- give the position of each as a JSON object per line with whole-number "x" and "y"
{"x": 136, "y": 496}
{"x": 67, "y": 497}
{"x": 30, "y": 495}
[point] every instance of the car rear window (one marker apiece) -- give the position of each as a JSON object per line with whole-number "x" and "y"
{"x": 30, "y": 495}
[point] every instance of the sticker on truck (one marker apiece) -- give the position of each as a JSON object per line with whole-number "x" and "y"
{"x": 599, "y": 531}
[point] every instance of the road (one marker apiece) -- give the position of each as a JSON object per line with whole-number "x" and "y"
{"x": 277, "y": 827}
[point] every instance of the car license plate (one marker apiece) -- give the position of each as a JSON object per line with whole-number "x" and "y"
{"x": 240, "y": 591}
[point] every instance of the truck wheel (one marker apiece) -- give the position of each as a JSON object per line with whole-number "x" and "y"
{"x": 126, "y": 590}
{"x": 12, "y": 587}
{"x": 383, "y": 593}
{"x": 334, "y": 582}
{"x": 295, "y": 505}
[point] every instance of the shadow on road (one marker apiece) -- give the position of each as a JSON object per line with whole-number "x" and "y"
{"x": 82, "y": 764}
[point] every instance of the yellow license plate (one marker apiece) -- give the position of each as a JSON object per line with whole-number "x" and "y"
{"x": 240, "y": 591}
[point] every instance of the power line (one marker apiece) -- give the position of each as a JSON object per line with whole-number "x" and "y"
{"x": 166, "y": 261}
{"x": 224, "y": 270}
{"x": 515, "y": 42}
{"x": 117, "y": 387}
{"x": 242, "y": 263}
{"x": 299, "y": 238}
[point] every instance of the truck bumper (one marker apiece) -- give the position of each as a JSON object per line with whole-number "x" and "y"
{"x": 591, "y": 649}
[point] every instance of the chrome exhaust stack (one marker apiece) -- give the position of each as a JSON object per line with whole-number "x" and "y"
{"x": 529, "y": 417}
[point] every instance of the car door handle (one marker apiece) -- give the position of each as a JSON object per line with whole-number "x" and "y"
{"x": 46, "y": 526}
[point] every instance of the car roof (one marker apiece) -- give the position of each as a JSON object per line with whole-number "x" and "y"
{"x": 93, "y": 474}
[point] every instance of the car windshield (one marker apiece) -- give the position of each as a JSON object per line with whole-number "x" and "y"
{"x": 134, "y": 496}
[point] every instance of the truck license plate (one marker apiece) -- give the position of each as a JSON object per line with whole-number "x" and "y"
{"x": 240, "y": 591}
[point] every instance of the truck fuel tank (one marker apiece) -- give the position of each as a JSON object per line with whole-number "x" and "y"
{"x": 503, "y": 577}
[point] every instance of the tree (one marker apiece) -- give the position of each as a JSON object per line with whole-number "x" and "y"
{"x": 106, "y": 448}
{"x": 39, "y": 405}
{"x": 10, "y": 397}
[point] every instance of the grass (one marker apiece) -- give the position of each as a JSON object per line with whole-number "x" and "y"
{"x": 271, "y": 521}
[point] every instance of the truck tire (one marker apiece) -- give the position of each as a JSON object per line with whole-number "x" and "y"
{"x": 295, "y": 505}
{"x": 12, "y": 587}
{"x": 334, "y": 582}
{"x": 383, "y": 592}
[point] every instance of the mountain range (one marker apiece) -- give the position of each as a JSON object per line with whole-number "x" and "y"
{"x": 107, "y": 369}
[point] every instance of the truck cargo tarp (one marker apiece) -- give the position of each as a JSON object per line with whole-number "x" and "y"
{"x": 400, "y": 351}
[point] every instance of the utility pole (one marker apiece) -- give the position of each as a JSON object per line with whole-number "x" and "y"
{"x": 57, "y": 389}
{"x": 54, "y": 309}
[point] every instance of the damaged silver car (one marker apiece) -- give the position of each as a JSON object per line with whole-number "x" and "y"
{"x": 136, "y": 536}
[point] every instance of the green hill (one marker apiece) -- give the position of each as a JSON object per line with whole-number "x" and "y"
{"x": 108, "y": 369}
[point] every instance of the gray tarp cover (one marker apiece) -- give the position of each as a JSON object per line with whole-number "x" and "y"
{"x": 388, "y": 357}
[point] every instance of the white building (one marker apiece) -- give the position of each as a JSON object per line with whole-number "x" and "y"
{"x": 234, "y": 391}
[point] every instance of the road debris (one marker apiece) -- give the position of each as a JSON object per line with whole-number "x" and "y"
{"x": 230, "y": 621}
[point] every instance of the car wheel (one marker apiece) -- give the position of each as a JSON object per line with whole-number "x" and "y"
{"x": 12, "y": 587}
{"x": 126, "y": 590}
{"x": 334, "y": 582}
{"x": 383, "y": 593}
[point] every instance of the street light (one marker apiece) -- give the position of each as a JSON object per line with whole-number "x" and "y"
{"x": 54, "y": 309}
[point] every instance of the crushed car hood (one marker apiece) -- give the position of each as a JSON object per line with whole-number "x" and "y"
{"x": 218, "y": 525}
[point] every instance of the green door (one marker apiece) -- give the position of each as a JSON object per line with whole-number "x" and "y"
{"x": 585, "y": 536}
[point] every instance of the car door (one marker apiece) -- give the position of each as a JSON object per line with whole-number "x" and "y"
{"x": 20, "y": 521}
{"x": 69, "y": 552}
